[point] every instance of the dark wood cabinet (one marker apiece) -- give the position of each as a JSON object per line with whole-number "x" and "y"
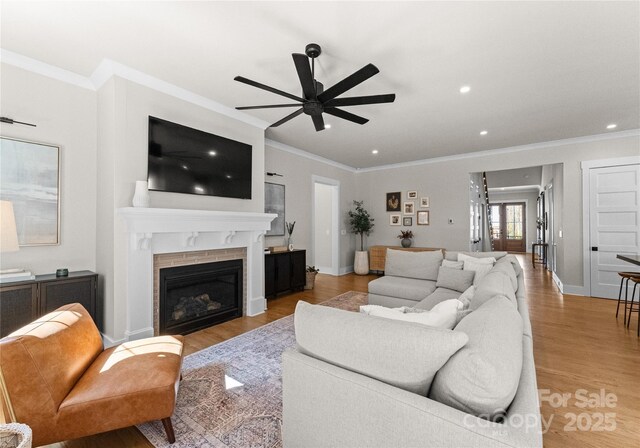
{"x": 23, "y": 302}
{"x": 284, "y": 271}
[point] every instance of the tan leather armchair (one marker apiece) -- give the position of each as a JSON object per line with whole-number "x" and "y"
{"x": 59, "y": 380}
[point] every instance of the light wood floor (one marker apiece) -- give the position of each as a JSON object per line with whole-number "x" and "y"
{"x": 578, "y": 344}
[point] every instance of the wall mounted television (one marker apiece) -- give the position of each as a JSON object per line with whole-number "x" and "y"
{"x": 186, "y": 160}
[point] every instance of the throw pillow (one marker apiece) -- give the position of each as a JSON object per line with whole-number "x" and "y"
{"x": 481, "y": 266}
{"x": 467, "y": 296}
{"x": 420, "y": 265}
{"x": 483, "y": 377}
{"x": 455, "y": 279}
{"x": 453, "y": 264}
{"x": 443, "y": 315}
{"x": 402, "y": 354}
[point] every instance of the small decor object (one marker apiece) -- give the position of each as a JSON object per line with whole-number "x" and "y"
{"x": 405, "y": 238}
{"x": 63, "y": 272}
{"x": 290, "y": 226}
{"x": 274, "y": 203}
{"x": 141, "y": 195}
{"x": 412, "y": 194}
{"x": 407, "y": 221}
{"x": 424, "y": 202}
{"x": 311, "y": 277}
{"x": 394, "y": 220}
{"x": 423, "y": 218}
{"x": 409, "y": 208}
{"x": 30, "y": 180}
{"x": 361, "y": 224}
{"x": 393, "y": 202}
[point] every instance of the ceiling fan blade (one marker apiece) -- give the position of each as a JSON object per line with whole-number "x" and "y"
{"x": 270, "y": 106}
{"x": 287, "y": 118}
{"x": 305, "y": 75}
{"x": 318, "y": 122}
{"x": 345, "y": 115}
{"x": 267, "y": 88}
{"x": 361, "y": 100}
{"x": 349, "y": 82}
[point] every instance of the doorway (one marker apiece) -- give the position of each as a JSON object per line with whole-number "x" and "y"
{"x": 508, "y": 222}
{"x": 326, "y": 225}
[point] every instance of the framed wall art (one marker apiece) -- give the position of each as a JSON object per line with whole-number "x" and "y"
{"x": 409, "y": 208}
{"x": 30, "y": 179}
{"x": 423, "y": 218}
{"x": 424, "y": 202}
{"x": 412, "y": 194}
{"x": 407, "y": 221}
{"x": 394, "y": 220}
{"x": 274, "y": 203}
{"x": 393, "y": 202}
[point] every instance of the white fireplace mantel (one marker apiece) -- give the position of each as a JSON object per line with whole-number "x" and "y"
{"x": 152, "y": 231}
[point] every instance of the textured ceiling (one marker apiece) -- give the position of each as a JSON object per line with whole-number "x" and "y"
{"x": 538, "y": 71}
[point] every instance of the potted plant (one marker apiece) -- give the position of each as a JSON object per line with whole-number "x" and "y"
{"x": 405, "y": 238}
{"x": 311, "y": 277}
{"x": 361, "y": 224}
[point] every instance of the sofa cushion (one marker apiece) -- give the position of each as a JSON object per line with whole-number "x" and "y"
{"x": 507, "y": 269}
{"x": 515, "y": 264}
{"x": 453, "y": 264}
{"x": 453, "y": 255}
{"x": 493, "y": 284}
{"x": 405, "y": 288}
{"x": 482, "y": 378}
{"x": 454, "y": 279}
{"x": 437, "y": 296}
{"x": 443, "y": 315}
{"x": 403, "y": 354}
{"x": 420, "y": 265}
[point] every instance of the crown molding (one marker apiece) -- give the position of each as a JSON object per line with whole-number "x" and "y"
{"x": 512, "y": 149}
{"x": 109, "y": 68}
{"x": 307, "y": 155}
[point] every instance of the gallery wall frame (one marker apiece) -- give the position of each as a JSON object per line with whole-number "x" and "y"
{"x": 423, "y": 218}
{"x": 274, "y": 202}
{"x": 393, "y": 201}
{"x": 30, "y": 179}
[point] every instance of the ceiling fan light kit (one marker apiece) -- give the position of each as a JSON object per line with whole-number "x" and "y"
{"x": 315, "y": 100}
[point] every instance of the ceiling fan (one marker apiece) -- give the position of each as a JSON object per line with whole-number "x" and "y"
{"x": 315, "y": 100}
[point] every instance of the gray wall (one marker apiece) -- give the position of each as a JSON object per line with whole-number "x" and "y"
{"x": 447, "y": 184}
{"x": 65, "y": 116}
{"x": 297, "y": 174}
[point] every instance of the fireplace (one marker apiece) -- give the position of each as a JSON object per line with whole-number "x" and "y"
{"x": 197, "y": 296}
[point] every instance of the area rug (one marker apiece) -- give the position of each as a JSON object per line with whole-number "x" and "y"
{"x": 231, "y": 393}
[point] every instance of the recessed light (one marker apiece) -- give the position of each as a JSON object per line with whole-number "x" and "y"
{"x": 465, "y": 89}
{"x": 484, "y": 132}
{"x": 198, "y": 189}
{"x": 185, "y": 167}
{"x": 228, "y": 176}
{"x": 212, "y": 153}
{"x": 327, "y": 126}
{"x": 375, "y": 151}
{"x": 612, "y": 126}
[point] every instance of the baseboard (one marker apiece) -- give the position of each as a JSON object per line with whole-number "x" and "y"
{"x": 256, "y": 306}
{"x": 108, "y": 342}
{"x": 346, "y": 270}
{"x": 325, "y": 270}
{"x": 574, "y": 290}
{"x": 139, "y": 334}
{"x": 558, "y": 282}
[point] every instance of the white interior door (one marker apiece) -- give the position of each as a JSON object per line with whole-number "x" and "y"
{"x": 614, "y": 225}
{"x": 326, "y": 225}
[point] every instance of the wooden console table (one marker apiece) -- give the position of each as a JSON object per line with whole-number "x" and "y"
{"x": 378, "y": 254}
{"x": 543, "y": 258}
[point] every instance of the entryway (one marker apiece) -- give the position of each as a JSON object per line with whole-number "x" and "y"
{"x": 326, "y": 225}
{"x": 508, "y": 222}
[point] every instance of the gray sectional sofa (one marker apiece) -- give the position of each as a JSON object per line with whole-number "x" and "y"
{"x": 362, "y": 381}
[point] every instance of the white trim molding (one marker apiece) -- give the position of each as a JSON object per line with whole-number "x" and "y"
{"x": 307, "y": 155}
{"x": 346, "y": 270}
{"x": 558, "y": 282}
{"x": 574, "y": 290}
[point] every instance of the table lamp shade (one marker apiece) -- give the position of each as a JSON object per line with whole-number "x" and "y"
{"x": 8, "y": 232}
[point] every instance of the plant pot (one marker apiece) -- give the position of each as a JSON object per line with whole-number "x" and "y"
{"x": 361, "y": 263}
{"x": 406, "y": 242}
{"x": 311, "y": 280}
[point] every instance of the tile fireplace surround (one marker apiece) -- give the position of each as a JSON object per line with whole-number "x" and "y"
{"x": 190, "y": 233}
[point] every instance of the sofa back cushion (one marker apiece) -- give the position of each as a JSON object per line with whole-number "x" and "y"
{"x": 421, "y": 265}
{"x": 507, "y": 269}
{"x": 403, "y": 354}
{"x": 493, "y": 284}
{"x": 453, "y": 254}
{"x": 482, "y": 378}
{"x": 454, "y": 279}
{"x": 42, "y": 361}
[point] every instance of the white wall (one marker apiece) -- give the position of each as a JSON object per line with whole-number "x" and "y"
{"x": 447, "y": 184}
{"x": 65, "y": 116}
{"x": 297, "y": 174}
{"x": 323, "y": 216}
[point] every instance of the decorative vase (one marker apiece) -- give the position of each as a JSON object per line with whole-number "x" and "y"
{"x": 311, "y": 280}
{"x": 290, "y": 243}
{"x": 141, "y": 195}
{"x": 406, "y": 242}
{"x": 361, "y": 263}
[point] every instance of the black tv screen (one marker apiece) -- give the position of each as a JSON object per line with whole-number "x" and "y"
{"x": 186, "y": 160}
